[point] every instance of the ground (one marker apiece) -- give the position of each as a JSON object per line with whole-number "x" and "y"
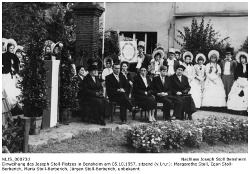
{"x": 79, "y": 137}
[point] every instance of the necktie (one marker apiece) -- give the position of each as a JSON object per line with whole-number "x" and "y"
{"x": 117, "y": 78}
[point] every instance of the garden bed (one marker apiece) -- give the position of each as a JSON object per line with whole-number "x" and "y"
{"x": 116, "y": 142}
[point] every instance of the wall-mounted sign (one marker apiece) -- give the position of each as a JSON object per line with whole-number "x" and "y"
{"x": 128, "y": 51}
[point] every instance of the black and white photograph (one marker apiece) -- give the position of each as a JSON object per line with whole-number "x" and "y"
{"x": 167, "y": 78}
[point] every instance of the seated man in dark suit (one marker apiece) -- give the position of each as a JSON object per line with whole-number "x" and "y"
{"x": 181, "y": 88}
{"x": 163, "y": 90}
{"x": 116, "y": 86}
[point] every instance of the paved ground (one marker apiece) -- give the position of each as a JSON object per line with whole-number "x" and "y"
{"x": 77, "y": 127}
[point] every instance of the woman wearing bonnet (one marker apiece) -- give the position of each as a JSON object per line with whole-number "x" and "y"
{"x": 238, "y": 96}
{"x": 214, "y": 94}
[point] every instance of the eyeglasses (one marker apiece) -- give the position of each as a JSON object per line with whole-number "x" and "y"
{"x": 143, "y": 70}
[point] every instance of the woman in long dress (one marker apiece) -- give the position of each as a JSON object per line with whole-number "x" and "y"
{"x": 214, "y": 94}
{"x": 10, "y": 67}
{"x": 199, "y": 78}
{"x": 189, "y": 72}
{"x": 238, "y": 96}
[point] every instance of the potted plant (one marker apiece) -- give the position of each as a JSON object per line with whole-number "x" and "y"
{"x": 33, "y": 84}
{"x": 68, "y": 88}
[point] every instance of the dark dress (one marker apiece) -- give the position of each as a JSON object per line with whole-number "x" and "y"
{"x": 112, "y": 85}
{"x": 7, "y": 59}
{"x": 144, "y": 101}
{"x": 168, "y": 101}
{"x": 100, "y": 105}
{"x": 184, "y": 88}
{"x": 239, "y": 71}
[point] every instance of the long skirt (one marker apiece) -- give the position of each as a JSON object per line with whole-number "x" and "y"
{"x": 214, "y": 94}
{"x": 146, "y": 103}
{"x": 196, "y": 92}
{"x": 9, "y": 85}
{"x": 100, "y": 108}
{"x": 238, "y": 97}
{"x": 6, "y": 113}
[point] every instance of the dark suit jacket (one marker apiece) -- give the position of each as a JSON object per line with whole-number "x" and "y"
{"x": 233, "y": 65}
{"x": 90, "y": 87}
{"x": 182, "y": 86}
{"x": 112, "y": 85}
{"x": 6, "y": 62}
{"x": 176, "y": 63}
{"x": 147, "y": 60}
{"x": 128, "y": 79}
{"x": 239, "y": 71}
{"x": 158, "y": 87}
{"x": 139, "y": 88}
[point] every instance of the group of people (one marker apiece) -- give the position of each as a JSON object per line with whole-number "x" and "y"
{"x": 12, "y": 63}
{"x": 171, "y": 79}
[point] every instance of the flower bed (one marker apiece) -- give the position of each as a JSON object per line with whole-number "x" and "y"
{"x": 175, "y": 135}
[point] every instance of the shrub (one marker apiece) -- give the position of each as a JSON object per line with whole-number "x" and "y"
{"x": 174, "y": 135}
{"x": 201, "y": 38}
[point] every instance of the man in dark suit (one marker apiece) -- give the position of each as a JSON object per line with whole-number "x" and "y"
{"x": 163, "y": 90}
{"x": 116, "y": 86}
{"x": 181, "y": 89}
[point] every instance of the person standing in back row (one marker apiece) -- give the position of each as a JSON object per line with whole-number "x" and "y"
{"x": 227, "y": 70}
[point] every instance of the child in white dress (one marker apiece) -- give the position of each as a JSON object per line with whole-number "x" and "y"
{"x": 214, "y": 93}
{"x": 199, "y": 78}
{"x": 190, "y": 73}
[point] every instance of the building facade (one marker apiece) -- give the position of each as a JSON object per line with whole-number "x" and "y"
{"x": 158, "y": 22}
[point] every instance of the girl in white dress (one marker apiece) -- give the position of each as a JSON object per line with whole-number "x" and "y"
{"x": 199, "y": 78}
{"x": 214, "y": 93}
{"x": 238, "y": 96}
{"x": 156, "y": 62}
{"x": 190, "y": 73}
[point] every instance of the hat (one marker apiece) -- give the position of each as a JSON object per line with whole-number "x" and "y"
{"x": 92, "y": 68}
{"x": 180, "y": 66}
{"x": 200, "y": 55}
{"x": 158, "y": 52}
{"x": 159, "y": 48}
{"x": 171, "y": 50}
{"x": 90, "y": 61}
{"x": 188, "y": 53}
{"x": 54, "y": 45}
{"x": 237, "y": 57}
{"x": 230, "y": 50}
{"x": 11, "y": 41}
{"x": 141, "y": 43}
{"x": 163, "y": 68}
{"x": 177, "y": 51}
{"x": 125, "y": 62}
{"x": 213, "y": 52}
